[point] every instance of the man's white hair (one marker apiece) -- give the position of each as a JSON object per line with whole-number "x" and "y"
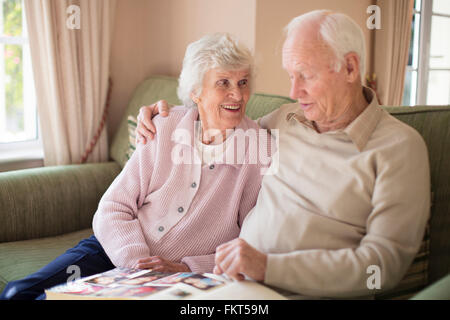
{"x": 339, "y": 31}
{"x": 218, "y": 50}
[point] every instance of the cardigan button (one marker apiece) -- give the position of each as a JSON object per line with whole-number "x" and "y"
{"x": 180, "y": 209}
{"x": 211, "y": 166}
{"x": 161, "y": 229}
{"x": 193, "y": 185}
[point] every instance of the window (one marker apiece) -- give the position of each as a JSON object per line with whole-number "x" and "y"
{"x": 427, "y": 80}
{"x": 18, "y": 114}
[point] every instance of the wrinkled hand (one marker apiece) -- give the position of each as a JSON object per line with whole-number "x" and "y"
{"x": 159, "y": 264}
{"x": 237, "y": 258}
{"x": 145, "y": 127}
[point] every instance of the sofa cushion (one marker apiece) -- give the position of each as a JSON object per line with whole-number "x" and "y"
{"x": 132, "y": 124}
{"x": 149, "y": 91}
{"x": 416, "y": 277}
{"x": 433, "y": 123}
{"x": 50, "y": 201}
{"x": 261, "y": 104}
{"x": 439, "y": 290}
{"x": 21, "y": 258}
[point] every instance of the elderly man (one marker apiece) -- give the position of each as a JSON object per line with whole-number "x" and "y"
{"x": 353, "y": 187}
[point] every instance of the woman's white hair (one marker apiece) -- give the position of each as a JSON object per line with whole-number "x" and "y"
{"x": 339, "y": 31}
{"x": 218, "y": 50}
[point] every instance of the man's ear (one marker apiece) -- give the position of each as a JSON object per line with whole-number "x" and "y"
{"x": 352, "y": 66}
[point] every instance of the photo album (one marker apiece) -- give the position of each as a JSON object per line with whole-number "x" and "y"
{"x": 124, "y": 283}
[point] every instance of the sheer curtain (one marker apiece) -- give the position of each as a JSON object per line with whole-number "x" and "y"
{"x": 70, "y": 49}
{"x": 391, "y": 49}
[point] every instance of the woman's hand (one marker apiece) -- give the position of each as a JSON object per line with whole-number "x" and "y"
{"x": 159, "y": 264}
{"x": 145, "y": 128}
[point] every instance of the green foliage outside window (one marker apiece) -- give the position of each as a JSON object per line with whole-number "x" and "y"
{"x": 12, "y": 26}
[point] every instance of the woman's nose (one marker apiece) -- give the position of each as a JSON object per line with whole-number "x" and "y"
{"x": 235, "y": 93}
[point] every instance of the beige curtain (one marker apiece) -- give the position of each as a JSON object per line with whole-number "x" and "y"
{"x": 70, "y": 48}
{"x": 391, "y": 48}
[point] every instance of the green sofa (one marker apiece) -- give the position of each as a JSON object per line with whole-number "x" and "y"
{"x": 45, "y": 211}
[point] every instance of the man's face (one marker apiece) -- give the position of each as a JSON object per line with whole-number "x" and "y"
{"x": 321, "y": 92}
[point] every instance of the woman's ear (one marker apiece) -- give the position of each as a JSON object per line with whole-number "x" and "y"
{"x": 195, "y": 98}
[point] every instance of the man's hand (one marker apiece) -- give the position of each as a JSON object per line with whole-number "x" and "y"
{"x": 159, "y": 264}
{"x": 237, "y": 258}
{"x": 145, "y": 128}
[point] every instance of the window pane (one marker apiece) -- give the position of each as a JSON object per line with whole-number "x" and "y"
{"x": 417, "y": 4}
{"x": 441, "y": 6}
{"x": 438, "y": 88}
{"x": 440, "y": 42}
{"x": 413, "y": 55}
{"x": 12, "y": 124}
{"x": 12, "y": 17}
{"x": 18, "y": 118}
{"x": 409, "y": 92}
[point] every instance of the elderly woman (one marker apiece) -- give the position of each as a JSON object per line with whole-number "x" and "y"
{"x": 163, "y": 213}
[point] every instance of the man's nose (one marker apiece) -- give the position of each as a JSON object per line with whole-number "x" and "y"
{"x": 297, "y": 89}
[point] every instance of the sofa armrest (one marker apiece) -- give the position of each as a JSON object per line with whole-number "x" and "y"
{"x": 439, "y": 290}
{"x": 49, "y": 201}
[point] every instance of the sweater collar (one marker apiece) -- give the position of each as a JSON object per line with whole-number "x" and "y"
{"x": 360, "y": 129}
{"x": 188, "y": 123}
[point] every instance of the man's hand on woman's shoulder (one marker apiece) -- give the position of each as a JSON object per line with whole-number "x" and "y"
{"x": 145, "y": 128}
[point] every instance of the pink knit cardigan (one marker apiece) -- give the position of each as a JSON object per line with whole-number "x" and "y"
{"x": 179, "y": 211}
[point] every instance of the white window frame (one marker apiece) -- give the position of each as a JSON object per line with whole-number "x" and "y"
{"x": 419, "y": 86}
{"x": 29, "y": 149}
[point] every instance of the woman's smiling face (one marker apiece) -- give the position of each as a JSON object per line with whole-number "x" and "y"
{"x": 222, "y": 101}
